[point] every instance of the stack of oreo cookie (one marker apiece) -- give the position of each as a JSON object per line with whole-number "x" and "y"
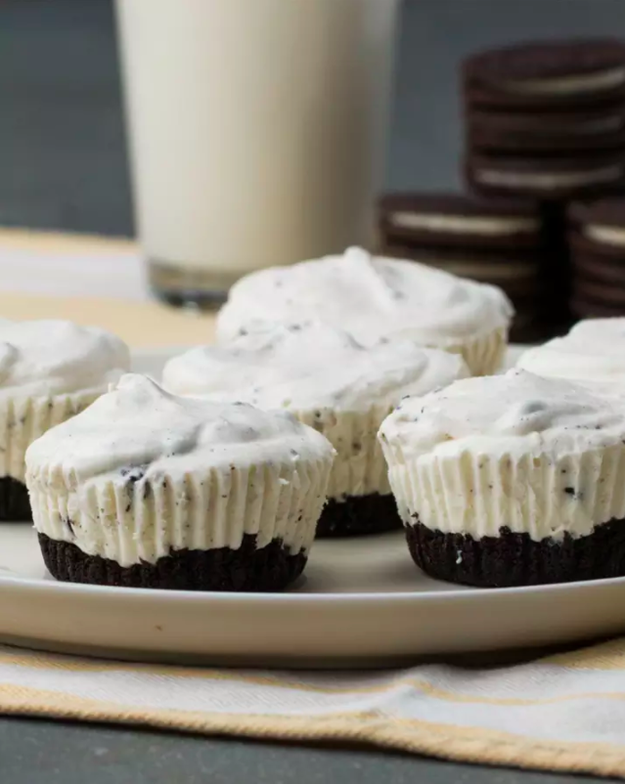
{"x": 597, "y": 241}
{"x": 497, "y": 241}
{"x": 546, "y": 121}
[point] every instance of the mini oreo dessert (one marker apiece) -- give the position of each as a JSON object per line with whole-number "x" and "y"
{"x": 511, "y": 480}
{"x": 49, "y": 371}
{"x": 593, "y": 352}
{"x": 334, "y": 384}
{"x": 146, "y": 489}
{"x": 375, "y": 298}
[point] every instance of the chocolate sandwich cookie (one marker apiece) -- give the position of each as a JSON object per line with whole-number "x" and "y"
{"x": 547, "y": 132}
{"x": 599, "y": 226}
{"x": 590, "y": 255}
{"x": 584, "y": 241}
{"x": 600, "y": 292}
{"x": 597, "y": 242}
{"x": 458, "y": 221}
{"x": 593, "y": 267}
{"x": 545, "y": 178}
{"x": 546, "y": 74}
{"x": 583, "y": 307}
{"x": 511, "y": 480}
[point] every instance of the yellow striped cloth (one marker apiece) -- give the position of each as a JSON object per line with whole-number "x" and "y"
{"x": 565, "y": 712}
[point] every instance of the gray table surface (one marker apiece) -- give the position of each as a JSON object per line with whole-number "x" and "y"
{"x": 43, "y": 752}
{"x": 63, "y": 165}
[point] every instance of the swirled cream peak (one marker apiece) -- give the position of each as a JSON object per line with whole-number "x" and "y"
{"x": 515, "y": 414}
{"x": 593, "y": 351}
{"x": 370, "y": 297}
{"x": 51, "y": 357}
{"x": 309, "y": 365}
{"x": 138, "y": 424}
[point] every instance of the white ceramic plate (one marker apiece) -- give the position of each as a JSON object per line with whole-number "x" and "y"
{"x": 361, "y": 602}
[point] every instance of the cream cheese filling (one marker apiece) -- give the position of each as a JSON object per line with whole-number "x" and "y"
{"x": 548, "y": 180}
{"x": 610, "y": 235}
{"x": 568, "y": 85}
{"x": 463, "y": 224}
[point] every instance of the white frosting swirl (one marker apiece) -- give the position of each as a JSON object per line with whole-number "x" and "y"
{"x": 140, "y": 424}
{"x": 537, "y": 455}
{"x": 593, "y": 351}
{"x": 52, "y": 357}
{"x": 371, "y": 297}
{"x": 516, "y": 413}
{"x": 310, "y": 365}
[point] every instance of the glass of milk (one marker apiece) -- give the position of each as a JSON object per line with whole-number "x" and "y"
{"x": 256, "y": 130}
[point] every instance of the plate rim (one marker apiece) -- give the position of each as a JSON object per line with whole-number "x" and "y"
{"x": 468, "y": 593}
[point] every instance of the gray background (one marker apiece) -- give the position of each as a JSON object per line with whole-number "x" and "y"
{"x": 62, "y": 150}
{"x": 62, "y": 165}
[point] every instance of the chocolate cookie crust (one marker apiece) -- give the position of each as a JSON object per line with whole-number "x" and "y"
{"x": 14, "y": 503}
{"x": 359, "y": 514}
{"x": 248, "y": 568}
{"x": 513, "y": 559}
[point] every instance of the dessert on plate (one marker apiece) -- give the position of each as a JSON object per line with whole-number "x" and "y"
{"x": 331, "y": 382}
{"x": 511, "y": 480}
{"x": 374, "y": 298}
{"x": 593, "y": 351}
{"x": 147, "y": 489}
{"x": 49, "y": 371}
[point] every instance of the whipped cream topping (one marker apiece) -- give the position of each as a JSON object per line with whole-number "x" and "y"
{"x": 593, "y": 351}
{"x": 491, "y": 226}
{"x": 516, "y": 413}
{"x": 311, "y": 365}
{"x": 536, "y": 455}
{"x": 140, "y": 424}
{"x": 370, "y": 297}
{"x": 52, "y": 357}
